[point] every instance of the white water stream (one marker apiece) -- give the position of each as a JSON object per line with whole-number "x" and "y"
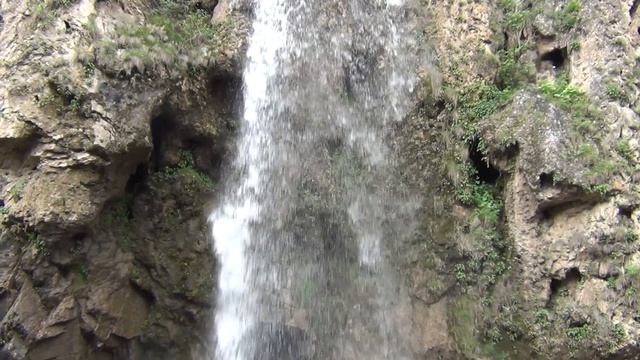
{"x": 303, "y": 227}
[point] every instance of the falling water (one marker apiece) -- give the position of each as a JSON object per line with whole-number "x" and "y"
{"x": 312, "y": 210}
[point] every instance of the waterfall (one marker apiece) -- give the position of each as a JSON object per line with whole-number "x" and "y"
{"x": 312, "y": 211}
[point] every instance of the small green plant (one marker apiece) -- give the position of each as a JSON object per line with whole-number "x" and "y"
{"x": 135, "y": 274}
{"x": 618, "y": 334}
{"x": 84, "y": 272}
{"x": 460, "y": 272}
{"x": 15, "y": 193}
{"x": 586, "y": 150}
{"x": 612, "y": 282}
{"x": 38, "y": 244}
{"x": 186, "y": 169}
{"x": 580, "y": 333}
{"x": 64, "y": 3}
{"x": 89, "y": 69}
{"x": 564, "y": 292}
{"x": 630, "y": 292}
{"x": 632, "y": 269}
{"x": 602, "y": 189}
{"x": 614, "y": 91}
{"x": 604, "y": 167}
{"x": 630, "y": 235}
{"x": 511, "y": 72}
{"x": 478, "y": 102}
{"x": 542, "y": 317}
{"x": 567, "y": 18}
{"x": 574, "y": 45}
{"x": 75, "y": 105}
{"x": 624, "y": 149}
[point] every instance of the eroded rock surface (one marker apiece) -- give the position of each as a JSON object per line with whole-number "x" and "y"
{"x": 114, "y": 118}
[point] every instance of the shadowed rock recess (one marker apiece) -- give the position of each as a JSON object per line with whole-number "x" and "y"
{"x": 492, "y": 146}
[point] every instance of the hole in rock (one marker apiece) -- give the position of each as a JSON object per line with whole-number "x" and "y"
{"x": 79, "y": 237}
{"x": 556, "y": 57}
{"x": 571, "y": 278}
{"x": 67, "y": 26}
{"x": 161, "y": 128}
{"x": 546, "y": 179}
{"x": 486, "y": 172}
{"x": 137, "y": 179}
{"x": 626, "y": 211}
{"x": 634, "y": 8}
{"x": 1, "y": 203}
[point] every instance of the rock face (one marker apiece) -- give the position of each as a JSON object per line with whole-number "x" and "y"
{"x": 114, "y": 117}
{"x": 534, "y": 135}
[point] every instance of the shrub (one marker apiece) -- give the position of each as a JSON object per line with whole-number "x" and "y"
{"x": 580, "y": 333}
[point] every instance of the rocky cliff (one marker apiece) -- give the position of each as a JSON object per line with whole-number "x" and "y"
{"x": 115, "y": 118}
{"x": 532, "y": 127}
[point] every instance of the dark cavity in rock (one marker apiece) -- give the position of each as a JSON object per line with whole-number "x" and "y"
{"x": 161, "y": 128}
{"x": 487, "y": 173}
{"x": 556, "y": 57}
{"x": 137, "y": 179}
{"x": 571, "y": 277}
{"x": 546, "y": 180}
